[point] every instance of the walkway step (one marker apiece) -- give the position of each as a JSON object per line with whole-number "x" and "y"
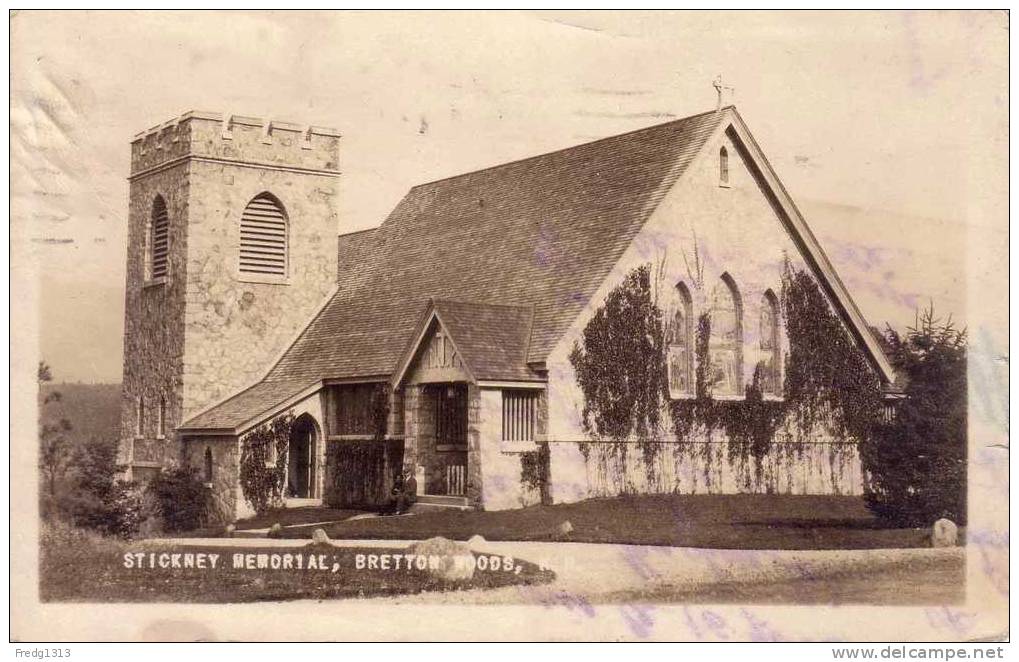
{"x": 264, "y": 533}
{"x": 443, "y": 500}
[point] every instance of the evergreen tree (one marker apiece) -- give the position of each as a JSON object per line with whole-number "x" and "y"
{"x": 916, "y": 463}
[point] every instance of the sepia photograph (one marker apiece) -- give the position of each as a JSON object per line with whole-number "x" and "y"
{"x": 509, "y": 326}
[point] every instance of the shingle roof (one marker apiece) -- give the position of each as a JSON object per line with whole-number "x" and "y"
{"x": 246, "y": 405}
{"x": 492, "y": 339}
{"x": 352, "y": 250}
{"x": 541, "y": 233}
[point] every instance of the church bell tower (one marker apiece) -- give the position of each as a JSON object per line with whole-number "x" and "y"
{"x": 231, "y": 250}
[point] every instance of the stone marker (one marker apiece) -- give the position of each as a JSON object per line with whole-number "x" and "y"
{"x": 566, "y": 528}
{"x": 228, "y": 532}
{"x": 455, "y": 558}
{"x": 944, "y": 533}
{"x": 476, "y": 541}
{"x": 319, "y": 537}
{"x": 276, "y": 530}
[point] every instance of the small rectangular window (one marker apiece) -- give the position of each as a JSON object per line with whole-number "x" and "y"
{"x": 519, "y": 415}
{"x": 139, "y": 417}
{"x": 888, "y": 412}
{"x": 161, "y": 419}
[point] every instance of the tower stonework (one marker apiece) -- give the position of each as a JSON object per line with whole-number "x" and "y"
{"x": 211, "y": 326}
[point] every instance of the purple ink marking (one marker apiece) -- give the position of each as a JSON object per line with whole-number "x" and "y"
{"x": 958, "y": 621}
{"x": 760, "y": 630}
{"x": 640, "y": 619}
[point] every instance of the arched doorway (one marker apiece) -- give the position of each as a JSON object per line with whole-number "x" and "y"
{"x": 301, "y": 468}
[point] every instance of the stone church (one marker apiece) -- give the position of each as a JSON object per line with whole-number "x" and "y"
{"x": 438, "y": 344}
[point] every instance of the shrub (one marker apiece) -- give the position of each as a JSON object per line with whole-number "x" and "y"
{"x": 180, "y": 497}
{"x": 117, "y": 513}
{"x": 916, "y": 464}
{"x": 99, "y": 501}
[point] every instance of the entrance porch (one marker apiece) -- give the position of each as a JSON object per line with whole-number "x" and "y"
{"x": 441, "y": 446}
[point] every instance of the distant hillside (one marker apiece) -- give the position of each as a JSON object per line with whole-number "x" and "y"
{"x": 92, "y": 409}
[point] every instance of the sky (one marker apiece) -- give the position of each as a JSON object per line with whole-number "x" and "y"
{"x": 889, "y": 129}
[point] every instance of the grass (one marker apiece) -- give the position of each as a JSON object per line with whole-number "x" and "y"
{"x": 77, "y": 566}
{"x": 739, "y": 521}
{"x": 294, "y": 516}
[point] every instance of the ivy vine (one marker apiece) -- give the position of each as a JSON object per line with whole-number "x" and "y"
{"x": 534, "y": 471}
{"x": 264, "y": 455}
{"x": 749, "y": 424}
{"x": 358, "y": 472}
{"x": 621, "y": 369}
{"x": 828, "y": 379}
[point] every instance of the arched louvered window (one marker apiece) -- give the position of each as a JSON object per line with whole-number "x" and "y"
{"x": 769, "y": 364}
{"x": 264, "y": 238}
{"x": 159, "y": 240}
{"x": 723, "y": 167}
{"x": 679, "y": 333}
{"x": 725, "y": 344}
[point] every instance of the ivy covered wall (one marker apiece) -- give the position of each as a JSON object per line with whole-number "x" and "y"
{"x": 702, "y": 234}
{"x": 804, "y": 441}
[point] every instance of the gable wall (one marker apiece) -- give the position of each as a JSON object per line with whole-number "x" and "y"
{"x": 737, "y": 232}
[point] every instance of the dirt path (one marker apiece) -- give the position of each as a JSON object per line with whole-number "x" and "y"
{"x": 599, "y": 573}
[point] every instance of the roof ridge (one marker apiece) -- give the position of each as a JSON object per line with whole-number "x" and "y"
{"x": 566, "y": 149}
{"x": 435, "y": 299}
{"x": 353, "y": 232}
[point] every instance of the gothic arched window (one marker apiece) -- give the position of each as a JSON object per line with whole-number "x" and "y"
{"x": 725, "y": 344}
{"x": 770, "y": 362}
{"x": 723, "y": 167}
{"x": 263, "y": 247}
{"x": 158, "y": 241}
{"x": 679, "y": 339}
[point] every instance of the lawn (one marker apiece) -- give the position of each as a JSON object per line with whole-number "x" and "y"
{"x": 76, "y": 566}
{"x": 295, "y": 516}
{"x": 739, "y": 521}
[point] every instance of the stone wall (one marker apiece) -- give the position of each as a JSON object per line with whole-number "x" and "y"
{"x": 226, "y": 504}
{"x": 413, "y": 427}
{"x": 703, "y": 468}
{"x": 203, "y": 332}
{"x": 154, "y": 322}
{"x": 474, "y": 447}
{"x": 236, "y": 328}
{"x": 419, "y": 440}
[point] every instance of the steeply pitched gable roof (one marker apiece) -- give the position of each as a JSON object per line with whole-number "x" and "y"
{"x": 492, "y": 339}
{"x": 541, "y": 232}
